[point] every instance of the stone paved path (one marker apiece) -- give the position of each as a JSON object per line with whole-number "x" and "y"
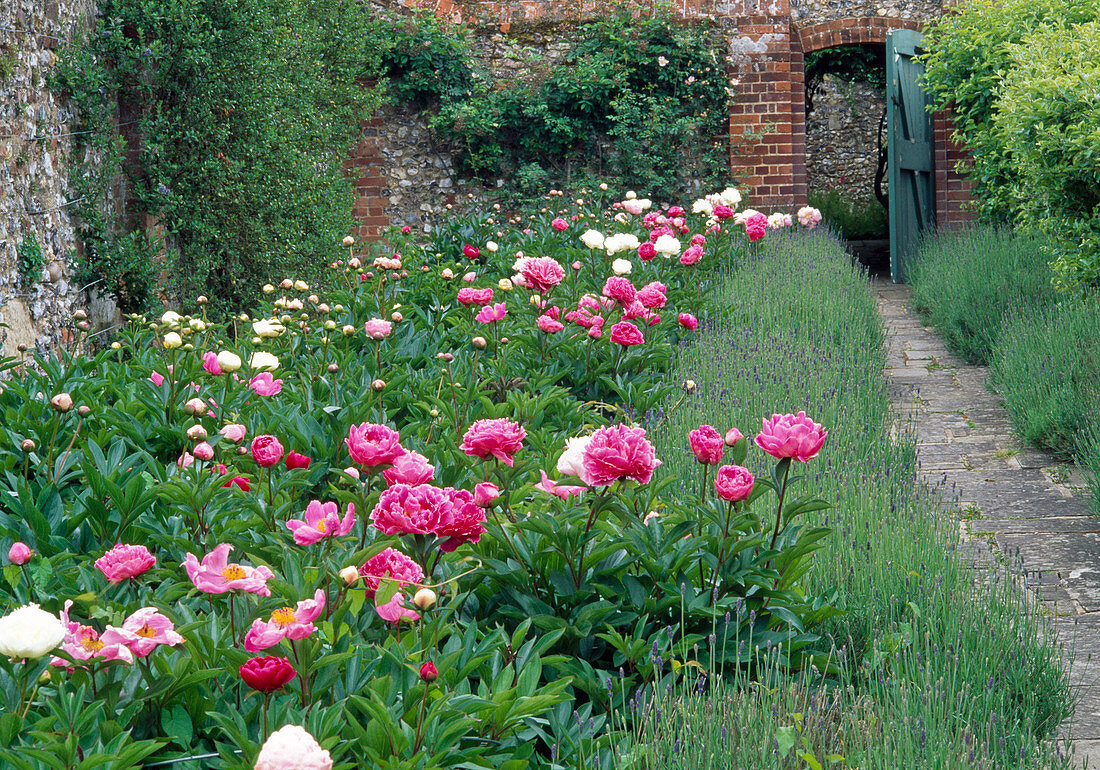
{"x": 1021, "y": 500}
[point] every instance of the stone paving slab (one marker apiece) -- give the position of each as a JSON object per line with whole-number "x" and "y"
{"x": 1013, "y": 499}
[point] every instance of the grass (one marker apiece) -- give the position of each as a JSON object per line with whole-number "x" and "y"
{"x": 937, "y": 665}
{"x": 965, "y": 281}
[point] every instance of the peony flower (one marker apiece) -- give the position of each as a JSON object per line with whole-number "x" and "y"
{"x": 500, "y": 438}
{"x": 145, "y": 629}
{"x": 378, "y": 329}
{"x": 549, "y": 325}
{"x": 560, "y": 224}
{"x": 263, "y": 361}
{"x": 733, "y": 483}
{"x": 171, "y": 341}
{"x": 216, "y": 575}
{"x": 593, "y": 239}
{"x": 268, "y": 328}
{"x": 557, "y": 490}
{"x": 125, "y": 562}
{"x": 62, "y": 402}
{"x": 791, "y": 435}
{"x": 732, "y": 436}
{"x": 688, "y": 321}
{"x": 541, "y": 274}
{"x": 428, "y": 672}
{"x": 410, "y": 468}
{"x": 618, "y": 452}
{"x": 394, "y": 611}
{"x": 210, "y": 363}
{"x": 84, "y": 642}
{"x": 463, "y": 522}
{"x": 233, "y": 432}
{"x": 228, "y": 362}
{"x": 409, "y": 510}
{"x": 266, "y": 451}
{"x": 647, "y": 251}
{"x": 691, "y": 255}
{"x": 468, "y": 296}
{"x": 491, "y": 313}
{"x": 620, "y": 289}
{"x": 285, "y": 623}
{"x": 203, "y": 451}
{"x": 392, "y": 564}
{"x": 808, "y": 216}
{"x": 470, "y": 252}
{"x": 295, "y": 460}
{"x": 371, "y": 444}
{"x": 292, "y": 748}
{"x": 156, "y": 378}
{"x": 486, "y": 493}
{"x": 265, "y": 384}
{"x": 267, "y": 673}
{"x": 707, "y": 445}
{"x": 756, "y": 226}
{"x": 626, "y": 334}
{"x": 19, "y": 553}
{"x": 29, "y": 633}
{"x": 621, "y": 267}
{"x": 425, "y": 599}
{"x": 322, "y": 520}
{"x": 666, "y": 244}
{"x": 652, "y": 295}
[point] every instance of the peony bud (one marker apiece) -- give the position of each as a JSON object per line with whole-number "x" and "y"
{"x": 333, "y": 368}
{"x": 196, "y": 406}
{"x": 28, "y": 445}
{"x": 202, "y": 300}
{"x": 268, "y": 288}
{"x": 203, "y": 451}
{"x": 396, "y": 317}
{"x": 424, "y": 599}
{"x": 19, "y": 553}
{"x": 172, "y": 341}
{"x": 348, "y": 240}
{"x": 197, "y": 433}
{"x": 84, "y": 410}
{"x": 428, "y": 672}
{"x": 62, "y": 402}
{"x": 228, "y": 361}
{"x": 378, "y": 385}
{"x": 733, "y": 436}
{"x": 479, "y": 342}
{"x": 350, "y": 575}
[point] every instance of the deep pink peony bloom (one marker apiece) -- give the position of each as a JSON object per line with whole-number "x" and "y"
{"x": 733, "y": 483}
{"x": 145, "y": 629}
{"x": 486, "y": 493}
{"x": 156, "y": 378}
{"x": 295, "y": 460}
{"x": 756, "y": 226}
{"x": 266, "y": 385}
{"x": 124, "y": 562}
{"x": 647, "y": 251}
{"x": 549, "y": 325}
{"x": 267, "y": 674}
{"x": 691, "y": 255}
{"x": 19, "y": 553}
{"x": 471, "y": 252}
{"x": 322, "y": 520}
{"x": 791, "y": 435}
{"x": 652, "y": 295}
{"x": 84, "y": 642}
{"x": 707, "y": 445}
{"x": 468, "y": 296}
{"x": 410, "y": 510}
{"x": 410, "y": 468}
{"x": 216, "y": 574}
{"x": 626, "y": 334}
{"x": 285, "y": 623}
{"x": 371, "y": 444}
{"x": 618, "y": 452}
{"x": 463, "y": 522}
{"x": 210, "y": 363}
{"x": 378, "y": 329}
{"x": 541, "y": 273}
{"x": 500, "y": 438}
{"x": 492, "y": 313}
{"x": 393, "y": 564}
{"x": 560, "y": 224}
{"x": 620, "y": 289}
{"x": 394, "y": 611}
{"x": 688, "y": 321}
{"x": 266, "y": 451}
{"x": 722, "y": 212}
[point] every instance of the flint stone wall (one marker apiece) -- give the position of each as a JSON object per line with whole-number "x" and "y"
{"x": 841, "y": 137}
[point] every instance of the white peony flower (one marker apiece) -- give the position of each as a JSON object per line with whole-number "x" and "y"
{"x": 172, "y": 341}
{"x": 593, "y": 239}
{"x": 666, "y": 244}
{"x": 621, "y": 267}
{"x": 292, "y": 748}
{"x": 267, "y": 328}
{"x": 571, "y": 462}
{"x": 702, "y": 206}
{"x": 620, "y": 242}
{"x": 263, "y": 361}
{"x": 30, "y": 632}
{"x": 229, "y": 361}
{"x": 171, "y": 318}
{"x": 731, "y": 197}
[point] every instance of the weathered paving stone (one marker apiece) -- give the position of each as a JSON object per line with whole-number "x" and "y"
{"x": 1012, "y": 510}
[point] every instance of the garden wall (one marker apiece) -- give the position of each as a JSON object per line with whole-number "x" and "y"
{"x": 842, "y": 137}
{"x": 35, "y": 152}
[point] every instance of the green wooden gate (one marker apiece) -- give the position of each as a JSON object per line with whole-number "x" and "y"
{"x": 909, "y": 132}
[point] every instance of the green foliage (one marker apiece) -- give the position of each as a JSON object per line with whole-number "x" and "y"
{"x": 632, "y": 100}
{"x": 29, "y": 260}
{"x": 242, "y": 116}
{"x": 965, "y": 281}
{"x": 862, "y": 63}
{"x": 853, "y": 219}
{"x": 428, "y": 59}
{"x": 1088, "y": 456}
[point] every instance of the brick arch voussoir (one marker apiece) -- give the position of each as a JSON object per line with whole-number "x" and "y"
{"x": 851, "y": 31}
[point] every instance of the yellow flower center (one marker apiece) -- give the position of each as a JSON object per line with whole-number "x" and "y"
{"x": 147, "y": 632}
{"x": 92, "y": 645}
{"x": 233, "y": 572}
{"x": 321, "y": 525}
{"x": 284, "y": 616}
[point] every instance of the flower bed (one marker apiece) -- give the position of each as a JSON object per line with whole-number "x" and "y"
{"x": 414, "y": 514}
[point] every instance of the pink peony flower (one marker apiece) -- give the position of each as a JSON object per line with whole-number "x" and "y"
{"x": 371, "y": 444}
{"x": 295, "y": 460}
{"x": 84, "y": 642}
{"x": 500, "y": 438}
{"x": 620, "y": 289}
{"x": 234, "y": 432}
{"x": 491, "y": 313}
{"x": 470, "y": 277}
{"x": 266, "y": 451}
{"x": 394, "y": 611}
{"x": 618, "y": 452}
{"x": 292, "y": 748}
{"x": 698, "y": 240}
{"x": 486, "y": 493}
{"x": 675, "y": 211}
{"x": 265, "y": 384}
{"x": 468, "y": 296}
{"x": 541, "y": 274}
{"x": 378, "y": 329}
{"x": 216, "y": 574}
{"x": 19, "y": 553}
{"x": 652, "y": 295}
{"x": 156, "y": 378}
{"x": 471, "y": 252}
{"x": 691, "y": 255}
{"x": 463, "y": 522}
{"x": 210, "y": 364}
{"x": 564, "y": 491}
{"x": 722, "y": 212}
{"x": 756, "y": 226}
{"x": 808, "y": 216}
{"x": 707, "y": 445}
{"x": 393, "y": 564}
{"x": 285, "y": 623}
{"x": 733, "y": 483}
{"x": 322, "y": 520}
{"x": 410, "y": 468}
{"x": 549, "y": 325}
{"x": 626, "y": 334}
{"x": 560, "y": 224}
{"x": 145, "y": 629}
{"x": 125, "y": 562}
{"x": 791, "y": 435}
{"x": 688, "y": 321}
{"x": 410, "y": 510}
{"x": 647, "y": 251}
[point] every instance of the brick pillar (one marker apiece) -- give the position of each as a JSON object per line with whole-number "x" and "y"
{"x": 953, "y": 199}
{"x": 371, "y": 197}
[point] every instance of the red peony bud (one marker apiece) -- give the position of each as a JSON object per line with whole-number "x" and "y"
{"x": 295, "y": 460}
{"x": 428, "y": 672}
{"x": 268, "y": 673}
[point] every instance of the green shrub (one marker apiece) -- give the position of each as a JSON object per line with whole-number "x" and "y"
{"x": 852, "y": 219}
{"x": 964, "y": 281}
{"x": 1046, "y": 365}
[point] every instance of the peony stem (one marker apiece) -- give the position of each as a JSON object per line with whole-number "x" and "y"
{"x": 785, "y": 463}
